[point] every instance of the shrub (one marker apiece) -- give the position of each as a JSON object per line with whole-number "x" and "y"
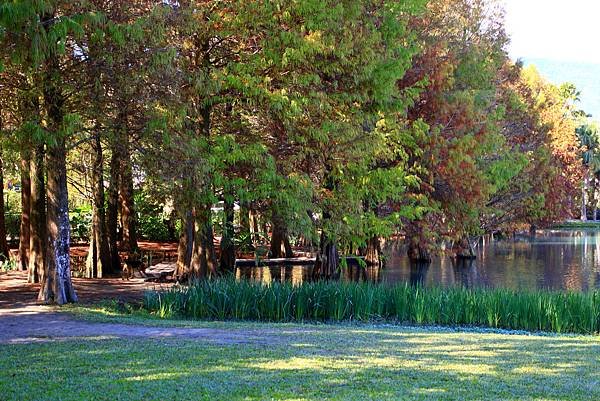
{"x": 153, "y": 228}
{"x": 13, "y": 225}
{"x": 152, "y": 219}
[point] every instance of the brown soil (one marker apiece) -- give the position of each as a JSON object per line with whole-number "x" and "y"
{"x": 22, "y": 320}
{"x": 29, "y": 324}
{"x": 81, "y": 249}
{"x": 15, "y": 291}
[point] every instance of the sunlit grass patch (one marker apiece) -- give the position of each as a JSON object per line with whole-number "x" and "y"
{"x": 309, "y": 363}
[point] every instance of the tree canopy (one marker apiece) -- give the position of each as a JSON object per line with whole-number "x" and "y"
{"x": 334, "y": 124}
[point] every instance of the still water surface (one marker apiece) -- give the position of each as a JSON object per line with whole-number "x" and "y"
{"x": 557, "y": 260}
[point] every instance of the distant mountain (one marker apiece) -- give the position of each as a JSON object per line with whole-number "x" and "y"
{"x": 585, "y": 76}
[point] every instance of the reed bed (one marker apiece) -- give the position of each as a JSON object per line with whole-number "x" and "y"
{"x": 228, "y": 299}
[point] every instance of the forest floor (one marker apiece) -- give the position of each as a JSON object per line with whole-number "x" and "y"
{"x": 15, "y": 291}
{"x": 93, "y": 352}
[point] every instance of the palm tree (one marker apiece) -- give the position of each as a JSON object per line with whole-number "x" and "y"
{"x": 589, "y": 139}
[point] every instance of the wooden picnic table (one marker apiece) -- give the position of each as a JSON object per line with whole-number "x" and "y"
{"x": 161, "y": 271}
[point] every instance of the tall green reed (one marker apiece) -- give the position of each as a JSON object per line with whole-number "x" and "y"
{"x": 228, "y": 299}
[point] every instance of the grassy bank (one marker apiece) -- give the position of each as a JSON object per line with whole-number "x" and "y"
{"x": 306, "y": 362}
{"x": 333, "y": 301}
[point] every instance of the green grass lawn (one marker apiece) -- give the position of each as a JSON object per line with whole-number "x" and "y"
{"x": 308, "y": 362}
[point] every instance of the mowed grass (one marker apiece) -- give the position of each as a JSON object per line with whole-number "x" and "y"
{"x": 307, "y": 362}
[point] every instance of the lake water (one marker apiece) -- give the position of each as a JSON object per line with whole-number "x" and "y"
{"x": 556, "y": 259}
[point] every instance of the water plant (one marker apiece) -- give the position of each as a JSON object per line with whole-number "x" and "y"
{"x": 228, "y": 299}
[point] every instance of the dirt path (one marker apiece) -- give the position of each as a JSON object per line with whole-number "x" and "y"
{"x": 30, "y": 324}
{"x": 15, "y": 291}
{"x": 23, "y": 321}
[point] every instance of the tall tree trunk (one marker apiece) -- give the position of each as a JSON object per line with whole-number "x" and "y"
{"x": 24, "y": 237}
{"x": 463, "y": 249}
{"x": 255, "y": 227}
{"x": 30, "y": 107}
{"x": 373, "y": 252}
{"x": 37, "y": 216}
{"x": 204, "y": 215}
{"x": 328, "y": 259}
{"x": 208, "y": 240}
{"x": 185, "y": 248}
{"x": 594, "y": 201}
{"x": 4, "y": 250}
{"x": 199, "y": 270}
{"x": 99, "y": 258}
{"x": 596, "y": 196}
{"x": 227, "y": 257}
{"x": 584, "y": 196}
{"x": 199, "y": 261}
{"x": 128, "y": 217}
{"x": 280, "y": 242}
{"x": 56, "y": 285}
{"x": 204, "y": 261}
{"x": 417, "y": 251}
{"x": 112, "y": 218}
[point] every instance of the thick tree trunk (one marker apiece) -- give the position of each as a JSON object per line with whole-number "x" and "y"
{"x": 185, "y": 249}
{"x": 128, "y": 217}
{"x": 37, "y": 217}
{"x": 4, "y": 250}
{"x": 280, "y": 242}
{"x": 199, "y": 269}
{"x": 112, "y": 218}
{"x": 56, "y": 285}
{"x": 204, "y": 262}
{"x": 464, "y": 250}
{"x": 227, "y": 257}
{"x": 24, "y": 237}
{"x": 99, "y": 258}
{"x": 328, "y": 259}
{"x": 205, "y": 213}
{"x": 418, "y": 253}
{"x": 373, "y": 252}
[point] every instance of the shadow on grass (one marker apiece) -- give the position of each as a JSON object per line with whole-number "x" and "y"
{"x": 317, "y": 363}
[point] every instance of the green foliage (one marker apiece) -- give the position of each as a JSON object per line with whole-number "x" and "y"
{"x": 402, "y": 303}
{"x": 12, "y": 214}
{"x": 355, "y": 119}
{"x": 153, "y": 228}
{"x": 13, "y": 224}
{"x": 8, "y": 264}
{"x": 151, "y": 218}
{"x": 81, "y": 222}
{"x": 589, "y": 139}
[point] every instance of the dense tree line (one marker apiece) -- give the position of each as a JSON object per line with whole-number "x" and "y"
{"x": 333, "y": 123}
